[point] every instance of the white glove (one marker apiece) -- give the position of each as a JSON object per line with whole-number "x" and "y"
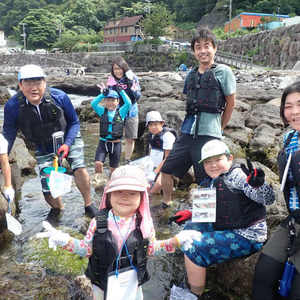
{"x": 9, "y": 193}
{"x": 129, "y": 74}
{"x": 56, "y": 237}
{"x": 187, "y": 237}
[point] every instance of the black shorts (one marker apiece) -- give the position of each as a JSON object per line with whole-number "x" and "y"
{"x": 186, "y": 152}
{"x": 112, "y": 149}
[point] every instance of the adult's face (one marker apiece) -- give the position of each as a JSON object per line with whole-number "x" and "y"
{"x": 118, "y": 71}
{"x": 204, "y": 52}
{"x": 33, "y": 89}
{"x": 292, "y": 110}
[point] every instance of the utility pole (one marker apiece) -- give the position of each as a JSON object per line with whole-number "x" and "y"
{"x": 24, "y": 34}
{"x": 230, "y": 10}
{"x": 59, "y": 31}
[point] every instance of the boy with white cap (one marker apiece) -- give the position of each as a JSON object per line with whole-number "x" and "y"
{"x": 160, "y": 142}
{"x": 112, "y": 121}
{"x": 232, "y": 219}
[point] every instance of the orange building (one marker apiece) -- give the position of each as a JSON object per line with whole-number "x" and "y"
{"x": 249, "y": 20}
{"x": 123, "y": 30}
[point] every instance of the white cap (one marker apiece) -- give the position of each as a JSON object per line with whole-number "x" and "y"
{"x": 153, "y": 116}
{"x": 31, "y": 71}
{"x": 213, "y": 148}
{"x": 127, "y": 177}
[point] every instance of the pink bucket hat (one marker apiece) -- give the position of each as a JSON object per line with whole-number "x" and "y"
{"x": 127, "y": 178}
{"x": 132, "y": 178}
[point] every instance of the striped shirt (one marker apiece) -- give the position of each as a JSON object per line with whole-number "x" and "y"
{"x": 292, "y": 147}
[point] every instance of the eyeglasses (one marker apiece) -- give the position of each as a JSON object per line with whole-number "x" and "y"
{"x": 32, "y": 82}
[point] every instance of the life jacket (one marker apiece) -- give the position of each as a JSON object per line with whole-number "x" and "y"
{"x": 38, "y": 128}
{"x": 156, "y": 141}
{"x": 126, "y": 84}
{"x": 281, "y": 161}
{"x": 117, "y": 125}
{"x": 204, "y": 92}
{"x": 105, "y": 252}
{"x": 234, "y": 209}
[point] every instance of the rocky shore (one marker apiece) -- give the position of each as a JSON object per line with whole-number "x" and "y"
{"x": 255, "y": 130}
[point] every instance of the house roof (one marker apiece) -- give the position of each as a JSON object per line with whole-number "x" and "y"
{"x": 127, "y": 21}
{"x": 258, "y": 14}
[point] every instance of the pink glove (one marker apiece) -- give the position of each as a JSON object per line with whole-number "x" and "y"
{"x": 65, "y": 149}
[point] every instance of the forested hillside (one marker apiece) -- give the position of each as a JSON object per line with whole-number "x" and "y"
{"x": 51, "y": 18}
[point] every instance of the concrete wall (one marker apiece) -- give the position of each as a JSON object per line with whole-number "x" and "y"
{"x": 278, "y": 48}
{"x": 95, "y": 62}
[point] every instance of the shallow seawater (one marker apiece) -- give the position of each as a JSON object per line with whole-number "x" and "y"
{"x": 33, "y": 210}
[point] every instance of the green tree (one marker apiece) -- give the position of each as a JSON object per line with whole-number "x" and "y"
{"x": 83, "y": 13}
{"x": 41, "y": 28}
{"x": 156, "y": 22}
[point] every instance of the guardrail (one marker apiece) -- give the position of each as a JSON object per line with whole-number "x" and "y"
{"x": 238, "y": 61}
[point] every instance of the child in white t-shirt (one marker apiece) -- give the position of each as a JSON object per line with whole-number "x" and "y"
{"x": 160, "y": 143}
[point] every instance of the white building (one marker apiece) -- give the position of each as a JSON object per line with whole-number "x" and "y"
{"x": 2, "y": 40}
{"x": 291, "y": 21}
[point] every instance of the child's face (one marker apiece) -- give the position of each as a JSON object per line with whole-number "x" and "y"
{"x": 155, "y": 127}
{"x": 217, "y": 165}
{"x": 118, "y": 72}
{"x": 111, "y": 103}
{"x": 125, "y": 203}
{"x": 292, "y": 110}
{"x": 204, "y": 52}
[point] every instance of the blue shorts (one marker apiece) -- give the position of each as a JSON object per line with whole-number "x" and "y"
{"x": 218, "y": 246}
{"x": 75, "y": 159}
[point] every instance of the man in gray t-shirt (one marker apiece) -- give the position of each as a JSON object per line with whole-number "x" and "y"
{"x": 210, "y": 96}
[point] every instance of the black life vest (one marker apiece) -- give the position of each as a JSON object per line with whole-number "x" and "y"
{"x": 105, "y": 252}
{"x": 204, "y": 92}
{"x": 281, "y": 161}
{"x": 234, "y": 209}
{"x": 156, "y": 141}
{"x": 38, "y": 128}
{"x": 117, "y": 125}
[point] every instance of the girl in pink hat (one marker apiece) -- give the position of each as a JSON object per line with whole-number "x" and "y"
{"x": 120, "y": 238}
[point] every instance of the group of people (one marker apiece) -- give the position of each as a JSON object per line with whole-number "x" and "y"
{"x": 228, "y": 217}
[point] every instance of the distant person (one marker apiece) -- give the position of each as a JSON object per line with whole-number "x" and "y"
{"x": 208, "y": 111}
{"x": 112, "y": 119}
{"x": 160, "y": 142}
{"x": 183, "y": 68}
{"x": 39, "y": 112}
{"x": 122, "y": 75}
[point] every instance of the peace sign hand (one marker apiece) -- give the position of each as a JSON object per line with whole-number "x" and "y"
{"x": 255, "y": 177}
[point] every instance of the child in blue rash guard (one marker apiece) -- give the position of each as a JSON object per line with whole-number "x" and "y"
{"x": 111, "y": 126}
{"x": 122, "y": 76}
{"x": 237, "y": 204}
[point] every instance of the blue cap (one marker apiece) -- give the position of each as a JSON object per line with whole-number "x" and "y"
{"x": 112, "y": 94}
